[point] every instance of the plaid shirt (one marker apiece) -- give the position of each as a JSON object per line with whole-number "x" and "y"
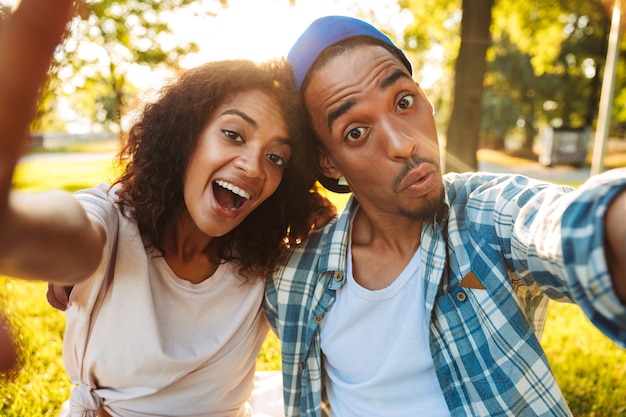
{"x": 506, "y": 244}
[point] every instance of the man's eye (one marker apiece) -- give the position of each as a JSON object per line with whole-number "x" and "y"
{"x": 355, "y": 134}
{"x": 233, "y": 135}
{"x": 277, "y": 160}
{"x": 406, "y": 102}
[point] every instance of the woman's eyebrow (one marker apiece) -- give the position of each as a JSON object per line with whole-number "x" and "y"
{"x": 244, "y": 116}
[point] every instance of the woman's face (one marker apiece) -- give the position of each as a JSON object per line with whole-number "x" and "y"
{"x": 238, "y": 162}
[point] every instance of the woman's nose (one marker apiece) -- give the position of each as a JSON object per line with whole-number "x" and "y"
{"x": 251, "y": 163}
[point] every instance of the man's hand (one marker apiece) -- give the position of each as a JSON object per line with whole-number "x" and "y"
{"x": 615, "y": 246}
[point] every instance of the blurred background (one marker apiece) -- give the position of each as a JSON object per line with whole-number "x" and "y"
{"x": 526, "y": 66}
{"x": 535, "y": 87}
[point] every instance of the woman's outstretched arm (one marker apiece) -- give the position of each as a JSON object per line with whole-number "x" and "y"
{"x": 45, "y": 236}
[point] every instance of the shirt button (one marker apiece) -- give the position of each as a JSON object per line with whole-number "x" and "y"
{"x": 338, "y": 276}
{"x": 318, "y": 318}
{"x": 461, "y": 296}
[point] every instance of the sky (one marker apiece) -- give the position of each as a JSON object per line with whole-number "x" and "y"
{"x": 259, "y": 29}
{"x": 264, "y": 29}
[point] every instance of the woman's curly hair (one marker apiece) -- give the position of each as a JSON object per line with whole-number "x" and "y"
{"x": 159, "y": 145}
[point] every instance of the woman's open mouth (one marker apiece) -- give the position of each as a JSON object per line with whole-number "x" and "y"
{"x": 229, "y": 196}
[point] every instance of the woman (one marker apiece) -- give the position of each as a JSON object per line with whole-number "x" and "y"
{"x": 217, "y": 185}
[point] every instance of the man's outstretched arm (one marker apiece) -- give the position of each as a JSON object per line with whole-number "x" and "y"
{"x": 615, "y": 246}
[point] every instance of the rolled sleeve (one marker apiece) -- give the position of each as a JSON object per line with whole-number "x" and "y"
{"x": 582, "y": 234}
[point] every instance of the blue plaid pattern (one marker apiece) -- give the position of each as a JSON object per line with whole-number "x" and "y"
{"x": 525, "y": 241}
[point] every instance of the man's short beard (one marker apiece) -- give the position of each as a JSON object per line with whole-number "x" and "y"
{"x": 427, "y": 211}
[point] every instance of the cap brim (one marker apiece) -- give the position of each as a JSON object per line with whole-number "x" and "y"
{"x": 331, "y": 184}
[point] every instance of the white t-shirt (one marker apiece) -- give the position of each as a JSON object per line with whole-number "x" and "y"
{"x": 376, "y": 350}
{"x": 140, "y": 341}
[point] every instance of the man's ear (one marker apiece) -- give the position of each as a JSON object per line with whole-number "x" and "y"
{"x": 327, "y": 166}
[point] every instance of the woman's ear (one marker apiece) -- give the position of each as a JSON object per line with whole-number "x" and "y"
{"x": 327, "y": 166}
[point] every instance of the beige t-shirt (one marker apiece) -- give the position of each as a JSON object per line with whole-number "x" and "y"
{"x": 140, "y": 341}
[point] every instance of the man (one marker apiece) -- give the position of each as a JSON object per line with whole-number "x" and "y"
{"x": 427, "y": 295}
{"x": 28, "y": 38}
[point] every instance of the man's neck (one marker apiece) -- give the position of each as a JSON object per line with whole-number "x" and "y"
{"x": 381, "y": 247}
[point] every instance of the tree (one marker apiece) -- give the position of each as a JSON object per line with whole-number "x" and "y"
{"x": 509, "y": 75}
{"x": 433, "y": 40}
{"x": 437, "y": 22}
{"x": 110, "y": 37}
{"x": 464, "y": 126}
{"x": 545, "y": 61}
{"x": 563, "y": 44}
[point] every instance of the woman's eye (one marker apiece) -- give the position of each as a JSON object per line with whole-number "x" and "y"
{"x": 233, "y": 135}
{"x": 406, "y": 102}
{"x": 355, "y": 134}
{"x": 277, "y": 160}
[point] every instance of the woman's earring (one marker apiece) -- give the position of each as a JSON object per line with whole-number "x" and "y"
{"x": 342, "y": 181}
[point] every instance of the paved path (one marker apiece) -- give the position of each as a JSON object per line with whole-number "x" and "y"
{"x": 559, "y": 173}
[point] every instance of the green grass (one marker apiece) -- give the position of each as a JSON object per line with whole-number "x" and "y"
{"x": 588, "y": 366}
{"x": 41, "y": 385}
{"x": 94, "y": 145}
{"x": 69, "y": 175}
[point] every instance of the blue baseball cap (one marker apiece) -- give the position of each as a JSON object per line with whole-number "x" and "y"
{"x": 327, "y": 31}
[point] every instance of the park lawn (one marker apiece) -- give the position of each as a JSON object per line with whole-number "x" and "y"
{"x": 68, "y": 175}
{"x": 587, "y": 365}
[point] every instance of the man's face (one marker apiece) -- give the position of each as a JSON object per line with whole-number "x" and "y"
{"x": 378, "y": 131}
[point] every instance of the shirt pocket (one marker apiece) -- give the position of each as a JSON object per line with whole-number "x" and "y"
{"x": 479, "y": 338}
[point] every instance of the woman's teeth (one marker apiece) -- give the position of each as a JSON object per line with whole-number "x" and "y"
{"x": 233, "y": 188}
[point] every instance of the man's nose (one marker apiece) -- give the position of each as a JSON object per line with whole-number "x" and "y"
{"x": 401, "y": 142}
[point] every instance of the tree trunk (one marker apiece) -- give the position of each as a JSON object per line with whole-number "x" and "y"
{"x": 464, "y": 125}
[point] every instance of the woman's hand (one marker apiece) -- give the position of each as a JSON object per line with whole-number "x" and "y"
{"x": 28, "y": 39}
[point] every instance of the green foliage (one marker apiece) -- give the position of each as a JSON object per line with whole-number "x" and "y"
{"x": 122, "y": 33}
{"x": 545, "y": 64}
{"x": 132, "y": 30}
{"x": 433, "y": 40}
{"x": 547, "y": 57}
{"x": 535, "y": 27}
{"x": 435, "y": 23}
{"x": 106, "y": 40}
